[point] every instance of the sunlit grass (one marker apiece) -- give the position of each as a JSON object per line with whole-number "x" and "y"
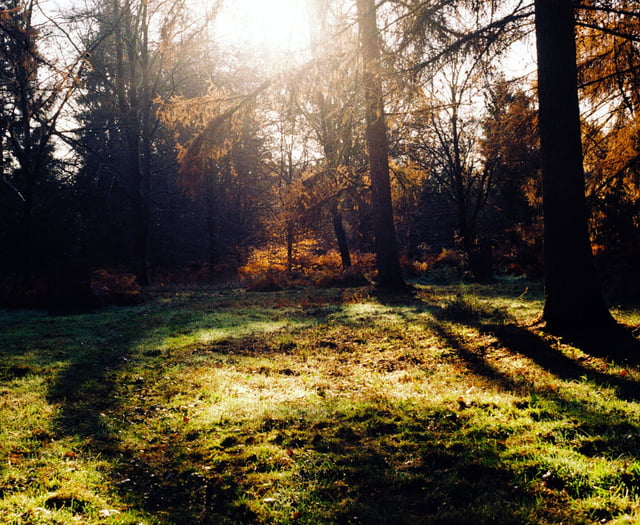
{"x": 314, "y": 407}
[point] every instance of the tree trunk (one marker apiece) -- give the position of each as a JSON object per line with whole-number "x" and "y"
{"x": 573, "y": 300}
{"x": 387, "y": 257}
{"x": 140, "y": 204}
{"x": 212, "y": 224}
{"x": 341, "y": 238}
{"x": 28, "y": 236}
{"x": 317, "y": 28}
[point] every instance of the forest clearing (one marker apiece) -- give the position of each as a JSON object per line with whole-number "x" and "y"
{"x": 307, "y": 406}
{"x": 320, "y": 262}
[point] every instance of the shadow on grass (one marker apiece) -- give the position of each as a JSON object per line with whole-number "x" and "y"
{"x": 592, "y": 432}
{"x": 391, "y": 465}
{"x": 375, "y": 467}
{"x": 522, "y": 341}
{"x": 106, "y": 387}
{"x": 103, "y": 390}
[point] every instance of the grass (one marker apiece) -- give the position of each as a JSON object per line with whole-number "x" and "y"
{"x": 314, "y": 407}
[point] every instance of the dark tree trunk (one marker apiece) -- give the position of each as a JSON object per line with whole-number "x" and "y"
{"x": 387, "y": 257}
{"x": 573, "y": 300}
{"x": 341, "y": 238}
{"x": 28, "y": 241}
{"x": 212, "y": 224}
{"x": 140, "y": 204}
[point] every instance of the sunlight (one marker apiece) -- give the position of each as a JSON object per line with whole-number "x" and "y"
{"x": 277, "y": 30}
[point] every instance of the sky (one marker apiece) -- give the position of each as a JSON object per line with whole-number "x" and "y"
{"x": 276, "y": 28}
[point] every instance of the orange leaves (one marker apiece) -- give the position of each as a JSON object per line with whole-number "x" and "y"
{"x": 207, "y": 129}
{"x": 268, "y": 268}
{"x": 115, "y": 288}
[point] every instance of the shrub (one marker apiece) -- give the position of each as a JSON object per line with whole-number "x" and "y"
{"x": 446, "y": 267}
{"x": 113, "y": 287}
{"x": 267, "y": 269}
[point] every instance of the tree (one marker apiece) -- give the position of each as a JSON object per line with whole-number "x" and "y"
{"x": 573, "y": 300}
{"x": 34, "y": 91}
{"x": 609, "y": 75}
{"x": 224, "y": 163}
{"x": 288, "y": 166}
{"x": 444, "y": 141}
{"x": 511, "y": 152}
{"x": 387, "y": 255}
{"x": 144, "y": 50}
{"x": 330, "y": 111}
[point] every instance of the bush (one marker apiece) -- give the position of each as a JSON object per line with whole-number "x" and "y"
{"x": 113, "y": 287}
{"x": 267, "y": 269}
{"x": 447, "y": 267}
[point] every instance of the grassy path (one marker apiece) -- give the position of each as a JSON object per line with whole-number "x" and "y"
{"x": 314, "y": 407}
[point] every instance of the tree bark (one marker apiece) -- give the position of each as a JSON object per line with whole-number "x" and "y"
{"x": 573, "y": 299}
{"x": 341, "y": 237}
{"x": 387, "y": 257}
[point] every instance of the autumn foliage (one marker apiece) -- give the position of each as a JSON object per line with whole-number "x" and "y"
{"x": 267, "y": 269}
{"x": 114, "y": 287}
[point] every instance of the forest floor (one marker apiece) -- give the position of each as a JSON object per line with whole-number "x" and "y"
{"x": 315, "y": 407}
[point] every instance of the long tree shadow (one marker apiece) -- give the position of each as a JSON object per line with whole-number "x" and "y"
{"x": 100, "y": 392}
{"x": 619, "y": 437}
{"x": 520, "y": 340}
{"x": 544, "y": 351}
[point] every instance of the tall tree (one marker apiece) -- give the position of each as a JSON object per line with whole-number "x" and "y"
{"x": 144, "y": 51}
{"x": 511, "y": 152}
{"x": 573, "y": 300}
{"x": 34, "y": 90}
{"x": 331, "y": 115}
{"x": 609, "y": 74}
{"x": 444, "y": 141}
{"x": 387, "y": 256}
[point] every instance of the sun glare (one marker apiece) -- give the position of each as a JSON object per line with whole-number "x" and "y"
{"x": 275, "y": 29}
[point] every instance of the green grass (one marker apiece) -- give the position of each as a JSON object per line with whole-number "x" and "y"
{"x": 314, "y": 407}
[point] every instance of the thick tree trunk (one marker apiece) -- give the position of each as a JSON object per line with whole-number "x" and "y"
{"x": 573, "y": 300}
{"x": 387, "y": 258}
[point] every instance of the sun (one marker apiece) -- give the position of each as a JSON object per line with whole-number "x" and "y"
{"x": 276, "y": 29}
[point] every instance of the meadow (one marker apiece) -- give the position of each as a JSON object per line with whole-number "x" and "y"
{"x": 334, "y": 406}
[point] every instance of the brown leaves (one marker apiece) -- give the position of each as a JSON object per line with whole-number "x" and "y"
{"x": 214, "y": 123}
